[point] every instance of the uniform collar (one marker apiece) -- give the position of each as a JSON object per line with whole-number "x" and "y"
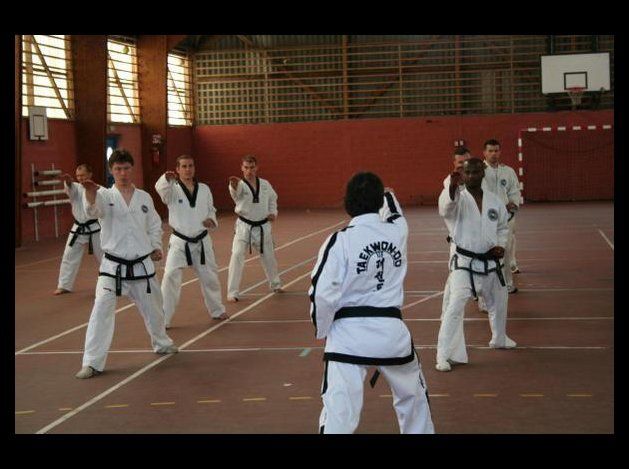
{"x": 365, "y": 218}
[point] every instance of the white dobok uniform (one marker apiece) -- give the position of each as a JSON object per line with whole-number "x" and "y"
{"x": 129, "y": 234}
{"x": 190, "y": 245}
{"x": 253, "y": 230}
{"x": 356, "y": 296}
{"x": 504, "y": 183}
{"x": 84, "y": 231}
{"x": 473, "y": 234}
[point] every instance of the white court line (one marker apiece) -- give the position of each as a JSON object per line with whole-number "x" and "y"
{"x": 22, "y": 352}
{"x": 38, "y": 262}
{"x": 141, "y": 371}
{"x": 606, "y": 239}
{"x": 311, "y": 347}
{"x": 74, "y": 329}
{"x": 422, "y": 300}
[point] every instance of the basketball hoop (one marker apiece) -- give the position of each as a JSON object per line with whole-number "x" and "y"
{"x": 575, "y": 93}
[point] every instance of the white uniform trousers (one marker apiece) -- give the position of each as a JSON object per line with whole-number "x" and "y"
{"x": 240, "y": 247}
{"x": 342, "y": 395}
{"x": 451, "y": 340}
{"x": 208, "y": 277}
{"x": 509, "y": 254}
{"x": 72, "y": 255}
{"x": 513, "y": 262}
{"x": 100, "y": 330}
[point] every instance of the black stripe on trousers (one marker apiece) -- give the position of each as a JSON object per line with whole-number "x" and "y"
{"x": 315, "y": 279}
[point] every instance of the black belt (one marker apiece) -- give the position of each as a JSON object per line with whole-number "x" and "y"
{"x": 129, "y": 275}
{"x": 482, "y": 257}
{"x": 192, "y": 240}
{"x": 83, "y": 230}
{"x": 253, "y": 224}
{"x": 369, "y": 312}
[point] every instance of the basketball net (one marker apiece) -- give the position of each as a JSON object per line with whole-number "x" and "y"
{"x": 575, "y": 93}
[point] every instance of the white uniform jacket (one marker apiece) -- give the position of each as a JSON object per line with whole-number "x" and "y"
{"x": 363, "y": 265}
{"x": 75, "y": 193}
{"x": 251, "y": 205}
{"x": 186, "y": 211}
{"x": 503, "y": 182}
{"x": 127, "y": 231}
{"x": 471, "y": 230}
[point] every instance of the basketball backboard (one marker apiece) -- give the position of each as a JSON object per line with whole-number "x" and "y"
{"x": 562, "y": 72}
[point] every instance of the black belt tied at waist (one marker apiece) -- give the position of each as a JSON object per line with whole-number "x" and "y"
{"x": 369, "y": 312}
{"x": 82, "y": 229}
{"x": 482, "y": 257}
{"x": 253, "y": 224}
{"x": 196, "y": 239}
{"x": 129, "y": 275}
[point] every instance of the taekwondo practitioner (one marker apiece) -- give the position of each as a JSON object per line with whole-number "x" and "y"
{"x": 256, "y": 206}
{"x": 356, "y": 296}
{"x": 131, "y": 237}
{"x": 478, "y": 221}
{"x": 191, "y": 215}
{"x": 84, "y": 231}
{"x": 502, "y": 181}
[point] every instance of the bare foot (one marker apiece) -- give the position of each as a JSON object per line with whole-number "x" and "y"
{"x": 232, "y": 299}
{"x": 222, "y": 316}
{"x": 60, "y": 291}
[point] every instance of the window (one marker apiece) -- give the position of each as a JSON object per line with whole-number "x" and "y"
{"x": 179, "y": 90}
{"x": 122, "y": 96}
{"x": 47, "y": 75}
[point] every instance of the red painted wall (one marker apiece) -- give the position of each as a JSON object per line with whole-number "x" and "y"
{"x": 309, "y": 163}
{"x": 178, "y": 142}
{"x": 59, "y": 150}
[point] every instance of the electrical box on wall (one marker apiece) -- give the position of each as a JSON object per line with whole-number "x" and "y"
{"x": 37, "y": 123}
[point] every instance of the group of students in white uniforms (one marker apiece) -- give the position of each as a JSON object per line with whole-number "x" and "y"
{"x": 357, "y": 281}
{"x": 124, "y": 230}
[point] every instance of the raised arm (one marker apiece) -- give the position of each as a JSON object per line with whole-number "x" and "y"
{"x": 235, "y": 188}
{"x": 327, "y": 281}
{"x": 449, "y": 197}
{"x": 164, "y": 186}
{"x": 93, "y": 200}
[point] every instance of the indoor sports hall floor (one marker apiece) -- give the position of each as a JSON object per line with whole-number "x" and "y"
{"x": 260, "y": 371}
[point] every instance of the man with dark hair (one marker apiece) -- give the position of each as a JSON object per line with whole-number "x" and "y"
{"x": 478, "y": 221}
{"x": 191, "y": 214}
{"x": 131, "y": 237}
{"x": 356, "y": 296}
{"x": 256, "y": 206}
{"x": 84, "y": 231}
{"x": 502, "y": 181}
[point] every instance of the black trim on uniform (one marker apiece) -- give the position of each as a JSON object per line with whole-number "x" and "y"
{"x": 129, "y": 274}
{"x": 391, "y": 203}
{"x": 256, "y": 192}
{"x": 315, "y": 279}
{"x": 254, "y": 224}
{"x": 392, "y": 218}
{"x": 192, "y": 198}
{"x": 196, "y": 239}
{"x": 374, "y": 378}
{"x": 82, "y": 229}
